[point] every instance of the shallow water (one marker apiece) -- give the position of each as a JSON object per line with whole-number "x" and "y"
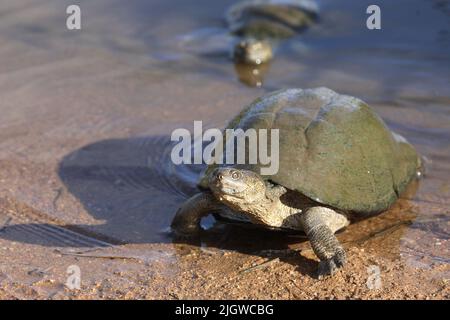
{"x": 87, "y": 115}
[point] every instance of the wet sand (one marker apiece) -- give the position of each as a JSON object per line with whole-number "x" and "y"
{"x": 85, "y": 171}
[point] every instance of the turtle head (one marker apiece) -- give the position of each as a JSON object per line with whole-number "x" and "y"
{"x": 237, "y": 187}
{"x": 252, "y": 51}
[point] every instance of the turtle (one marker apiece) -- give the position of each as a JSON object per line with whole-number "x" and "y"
{"x": 259, "y": 22}
{"x": 254, "y": 28}
{"x": 338, "y": 163}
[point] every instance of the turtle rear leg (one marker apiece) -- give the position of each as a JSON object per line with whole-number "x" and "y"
{"x": 188, "y": 217}
{"x": 320, "y": 224}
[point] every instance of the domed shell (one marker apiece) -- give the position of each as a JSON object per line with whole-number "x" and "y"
{"x": 271, "y": 18}
{"x": 332, "y": 148}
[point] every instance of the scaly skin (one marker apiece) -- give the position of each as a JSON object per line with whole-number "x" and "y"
{"x": 188, "y": 217}
{"x": 267, "y": 204}
{"x": 325, "y": 245}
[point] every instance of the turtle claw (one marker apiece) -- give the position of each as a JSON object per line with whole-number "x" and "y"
{"x": 330, "y": 266}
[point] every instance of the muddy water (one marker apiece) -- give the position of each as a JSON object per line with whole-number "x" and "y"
{"x": 86, "y": 115}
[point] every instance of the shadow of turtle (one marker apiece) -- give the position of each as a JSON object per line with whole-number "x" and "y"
{"x": 254, "y": 240}
{"x": 129, "y": 185}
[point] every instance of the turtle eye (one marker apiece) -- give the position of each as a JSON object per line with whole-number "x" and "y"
{"x": 236, "y": 175}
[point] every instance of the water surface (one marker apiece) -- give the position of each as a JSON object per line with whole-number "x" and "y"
{"x": 87, "y": 115}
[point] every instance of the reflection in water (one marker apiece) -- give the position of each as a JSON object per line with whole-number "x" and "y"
{"x": 252, "y": 75}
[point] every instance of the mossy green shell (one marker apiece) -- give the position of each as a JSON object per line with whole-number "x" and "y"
{"x": 332, "y": 148}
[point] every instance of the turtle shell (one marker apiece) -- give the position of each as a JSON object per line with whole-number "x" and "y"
{"x": 332, "y": 148}
{"x": 271, "y": 18}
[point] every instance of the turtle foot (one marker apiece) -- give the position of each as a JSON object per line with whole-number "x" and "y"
{"x": 331, "y": 266}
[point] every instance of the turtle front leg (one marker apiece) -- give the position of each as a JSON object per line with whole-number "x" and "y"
{"x": 320, "y": 224}
{"x": 188, "y": 217}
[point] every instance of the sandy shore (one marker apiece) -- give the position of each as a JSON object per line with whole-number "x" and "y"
{"x": 227, "y": 265}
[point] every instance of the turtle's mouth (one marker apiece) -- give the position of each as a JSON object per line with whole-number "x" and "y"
{"x": 223, "y": 184}
{"x": 231, "y": 188}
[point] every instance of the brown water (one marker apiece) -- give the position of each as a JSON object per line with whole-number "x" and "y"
{"x": 86, "y": 115}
